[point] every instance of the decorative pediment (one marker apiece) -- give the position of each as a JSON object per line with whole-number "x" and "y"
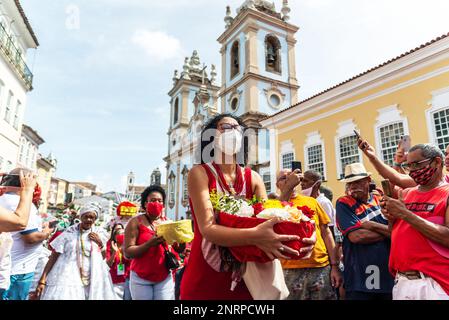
{"x": 234, "y": 99}
{"x": 275, "y": 97}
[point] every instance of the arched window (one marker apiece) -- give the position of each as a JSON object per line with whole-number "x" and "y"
{"x": 176, "y": 111}
{"x": 272, "y": 54}
{"x": 235, "y": 59}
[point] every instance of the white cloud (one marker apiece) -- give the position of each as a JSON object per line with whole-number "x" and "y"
{"x": 158, "y": 45}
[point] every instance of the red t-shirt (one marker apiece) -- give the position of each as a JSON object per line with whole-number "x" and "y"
{"x": 151, "y": 265}
{"x": 113, "y": 270}
{"x": 410, "y": 249}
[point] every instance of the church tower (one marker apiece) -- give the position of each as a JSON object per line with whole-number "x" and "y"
{"x": 258, "y": 59}
{"x": 193, "y": 100}
{"x": 258, "y": 71}
{"x": 155, "y": 178}
{"x": 130, "y": 182}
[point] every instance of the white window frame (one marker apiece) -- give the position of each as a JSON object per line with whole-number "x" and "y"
{"x": 265, "y": 182}
{"x": 439, "y": 102}
{"x": 388, "y": 116}
{"x": 314, "y": 139}
{"x": 286, "y": 148}
{"x": 345, "y": 129}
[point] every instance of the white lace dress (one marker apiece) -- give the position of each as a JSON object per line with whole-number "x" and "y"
{"x": 64, "y": 280}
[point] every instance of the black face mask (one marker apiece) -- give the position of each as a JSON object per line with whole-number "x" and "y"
{"x": 424, "y": 175}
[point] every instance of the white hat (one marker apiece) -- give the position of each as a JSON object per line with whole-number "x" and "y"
{"x": 91, "y": 207}
{"x": 354, "y": 172}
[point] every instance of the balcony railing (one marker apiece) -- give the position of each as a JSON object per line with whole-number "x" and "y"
{"x": 14, "y": 56}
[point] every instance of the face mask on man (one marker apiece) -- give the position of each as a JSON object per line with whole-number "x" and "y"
{"x": 424, "y": 175}
{"x": 229, "y": 142}
{"x": 308, "y": 192}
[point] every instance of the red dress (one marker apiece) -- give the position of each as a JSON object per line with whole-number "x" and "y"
{"x": 200, "y": 281}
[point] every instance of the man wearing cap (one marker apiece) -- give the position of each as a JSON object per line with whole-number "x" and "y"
{"x": 366, "y": 238}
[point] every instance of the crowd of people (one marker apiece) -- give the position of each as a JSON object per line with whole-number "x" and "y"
{"x": 372, "y": 245}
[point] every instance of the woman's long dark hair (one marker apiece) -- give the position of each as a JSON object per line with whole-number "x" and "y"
{"x": 208, "y": 140}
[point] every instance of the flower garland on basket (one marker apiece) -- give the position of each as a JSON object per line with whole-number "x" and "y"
{"x": 236, "y": 212}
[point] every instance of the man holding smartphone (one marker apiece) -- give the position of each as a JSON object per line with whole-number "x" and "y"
{"x": 26, "y": 246}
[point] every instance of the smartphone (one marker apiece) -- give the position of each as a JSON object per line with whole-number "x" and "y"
{"x": 387, "y": 188}
{"x": 406, "y": 143}
{"x": 357, "y": 134}
{"x": 11, "y": 180}
{"x": 296, "y": 165}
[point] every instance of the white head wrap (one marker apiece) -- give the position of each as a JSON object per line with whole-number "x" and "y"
{"x": 91, "y": 207}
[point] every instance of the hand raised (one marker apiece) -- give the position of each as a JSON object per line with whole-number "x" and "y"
{"x": 367, "y": 149}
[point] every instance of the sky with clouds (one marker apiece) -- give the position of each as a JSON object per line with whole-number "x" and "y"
{"x": 104, "y": 68}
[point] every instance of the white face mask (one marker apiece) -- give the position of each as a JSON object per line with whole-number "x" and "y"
{"x": 308, "y": 192}
{"x": 229, "y": 142}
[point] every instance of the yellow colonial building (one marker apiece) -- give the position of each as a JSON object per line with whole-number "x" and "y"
{"x": 406, "y": 95}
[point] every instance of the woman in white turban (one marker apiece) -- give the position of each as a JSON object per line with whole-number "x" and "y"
{"x": 76, "y": 269}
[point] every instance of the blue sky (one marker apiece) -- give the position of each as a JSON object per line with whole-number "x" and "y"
{"x": 100, "y": 91}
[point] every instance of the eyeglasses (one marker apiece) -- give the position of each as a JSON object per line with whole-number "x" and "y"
{"x": 228, "y": 126}
{"x": 415, "y": 165}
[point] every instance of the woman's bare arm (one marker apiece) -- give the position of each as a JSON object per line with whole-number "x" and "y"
{"x": 262, "y": 236}
{"x": 132, "y": 249}
{"x": 17, "y": 220}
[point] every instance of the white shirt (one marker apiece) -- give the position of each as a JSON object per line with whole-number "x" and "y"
{"x": 24, "y": 256}
{"x": 5, "y": 259}
{"x": 327, "y": 206}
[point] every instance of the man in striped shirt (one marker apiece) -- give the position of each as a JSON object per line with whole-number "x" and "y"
{"x": 366, "y": 242}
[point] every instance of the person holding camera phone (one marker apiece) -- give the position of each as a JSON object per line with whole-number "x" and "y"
{"x": 13, "y": 220}
{"x": 27, "y": 243}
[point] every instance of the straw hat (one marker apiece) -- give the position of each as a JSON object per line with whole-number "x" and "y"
{"x": 354, "y": 172}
